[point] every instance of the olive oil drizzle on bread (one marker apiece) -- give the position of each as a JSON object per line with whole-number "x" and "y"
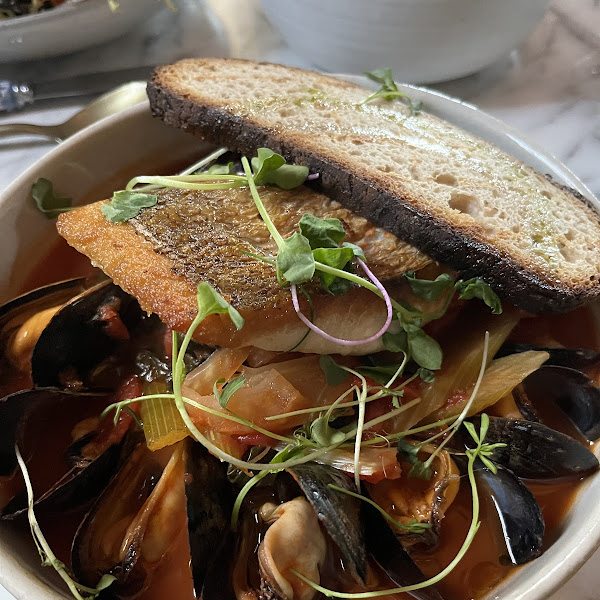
{"x": 452, "y": 195}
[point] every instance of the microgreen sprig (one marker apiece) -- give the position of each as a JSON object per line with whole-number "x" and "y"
{"x": 474, "y": 525}
{"x": 483, "y": 451}
{"x": 389, "y": 90}
{"x": 48, "y": 557}
{"x": 412, "y": 526}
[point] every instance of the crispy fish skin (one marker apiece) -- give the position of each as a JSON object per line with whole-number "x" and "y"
{"x": 188, "y": 237}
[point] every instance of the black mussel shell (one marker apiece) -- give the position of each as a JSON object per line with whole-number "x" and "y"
{"x": 575, "y": 358}
{"x": 534, "y": 451}
{"x": 77, "y": 337}
{"x": 339, "y": 513}
{"x": 97, "y": 546}
{"x": 209, "y": 502}
{"x": 217, "y": 584}
{"x": 520, "y": 516}
{"x": 41, "y": 298}
{"x": 31, "y": 419}
{"x": 572, "y": 391}
{"x": 391, "y": 556}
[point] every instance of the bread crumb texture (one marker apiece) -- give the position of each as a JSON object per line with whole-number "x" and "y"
{"x": 438, "y": 172}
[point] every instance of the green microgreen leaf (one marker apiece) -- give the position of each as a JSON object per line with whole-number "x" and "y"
{"x": 426, "y": 375}
{"x": 477, "y": 288}
{"x": 127, "y": 204}
{"x": 210, "y": 302}
{"x": 424, "y": 350}
{"x": 428, "y": 289}
{"x": 408, "y": 451}
{"x": 295, "y": 260}
{"x": 217, "y": 169}
{"x": 337, "y": 258}
{"x": 323, "y": 434}
{"x": 420, "y": 471}
{"x": 389, "y": 90}
{"x": 271, "y": 168}
{"x": 228, "y": 389}
{"x": 379, "y": 373}
{"x": 358, "y": 251}
{"x": 321, "y": 233}
{"x": 395, "y": 342}
{"x": 47, "y": 201}
{"x": 471, "y": 429}
{"x": 334, "y": 373}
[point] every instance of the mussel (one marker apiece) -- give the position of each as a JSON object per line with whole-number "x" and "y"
{"x": 134, "y": 523}
{"x": 535, "y": 451}
{"x": 520, "y": 517}
{"x": 81, "y": 334}
{"x": 576, "y": 394}
{"x": 76, "y": 470}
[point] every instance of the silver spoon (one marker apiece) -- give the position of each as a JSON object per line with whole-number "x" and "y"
{"x": 107, "y": 104}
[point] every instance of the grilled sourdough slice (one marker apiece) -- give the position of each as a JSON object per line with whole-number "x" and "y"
{"x": 452, "y": 195}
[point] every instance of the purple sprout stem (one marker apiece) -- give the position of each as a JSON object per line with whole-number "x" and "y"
{"x": 376, "y": 336}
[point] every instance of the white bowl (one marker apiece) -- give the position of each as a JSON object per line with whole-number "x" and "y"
{"x": 103, "y": 157}
{"x": 421, "y": 40}
{"x": 69, "y": 27}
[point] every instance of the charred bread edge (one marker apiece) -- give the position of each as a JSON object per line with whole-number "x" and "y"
{"x": 524, "y": 287}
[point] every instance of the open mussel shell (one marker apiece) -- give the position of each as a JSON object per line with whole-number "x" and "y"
{"x": 209, "y": 502}
{"x": 41, "y": 298}
{"x": 39, "y": 422}
{"x": 133, "y": 523}
{"x": 572, "y": 391}
{"x": 389, "y": 553}
{"x": 81, "y": 334}
{"x": 519, "y": 514}
{"x": 339, "y": 513}
{"x": 534, "y": 451}
{"x": 23, "y": 318}
{"x": 574, "y": 358}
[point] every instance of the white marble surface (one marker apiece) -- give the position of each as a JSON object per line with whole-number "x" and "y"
{"x": 549, "y": 89}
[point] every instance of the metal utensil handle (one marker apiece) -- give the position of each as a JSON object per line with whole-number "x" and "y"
{"x": 14, "y": 96}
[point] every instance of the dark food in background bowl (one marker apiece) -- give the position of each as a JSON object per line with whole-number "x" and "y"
{"x": 18, "y": 8}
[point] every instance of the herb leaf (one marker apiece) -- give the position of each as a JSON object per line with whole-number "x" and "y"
{"x": 425, "y": 351}
{"x": 389, "y": 90}
{"x": 127, "y": 204}
{"x": 228, "y": 389}
{"x": 358, "y": 251}
{"x": 337, "y": 258}
{"x": 477, "y": 288}
{"x": 421, "y": 471}
{"x": 333, "y": 372}
{"x": 379, "y": 373}
{"x": 47, "y": 201}
{"x": 408, "y": 451}
{"x": 427, "y": 289}
{"x": 210, "y": 302}
{"x": 395, "y": 342}
{"x": 295, "y": 260}
{"x": 271, "y": 168}
{"x": 217, "y": 169}
{"x": 321, "y": 233}
{"x": 426, "y": 375}
{"x": 325, "y": 435}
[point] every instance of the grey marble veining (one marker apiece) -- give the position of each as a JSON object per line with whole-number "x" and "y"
{"x": 549, "y": 89}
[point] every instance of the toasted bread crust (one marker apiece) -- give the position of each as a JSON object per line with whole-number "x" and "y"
{"x": 462, "y": 246}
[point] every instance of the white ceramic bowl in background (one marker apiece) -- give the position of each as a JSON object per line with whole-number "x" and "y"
{"x": 423, "y": 41}
{"x": 69, "y": 27}
{"x": 132, "y": 141}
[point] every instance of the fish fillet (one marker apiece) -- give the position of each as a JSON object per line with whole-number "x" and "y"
{"x": 161, "y": 256}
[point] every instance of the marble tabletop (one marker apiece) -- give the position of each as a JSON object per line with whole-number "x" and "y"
{"x": 548, "y": 88}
